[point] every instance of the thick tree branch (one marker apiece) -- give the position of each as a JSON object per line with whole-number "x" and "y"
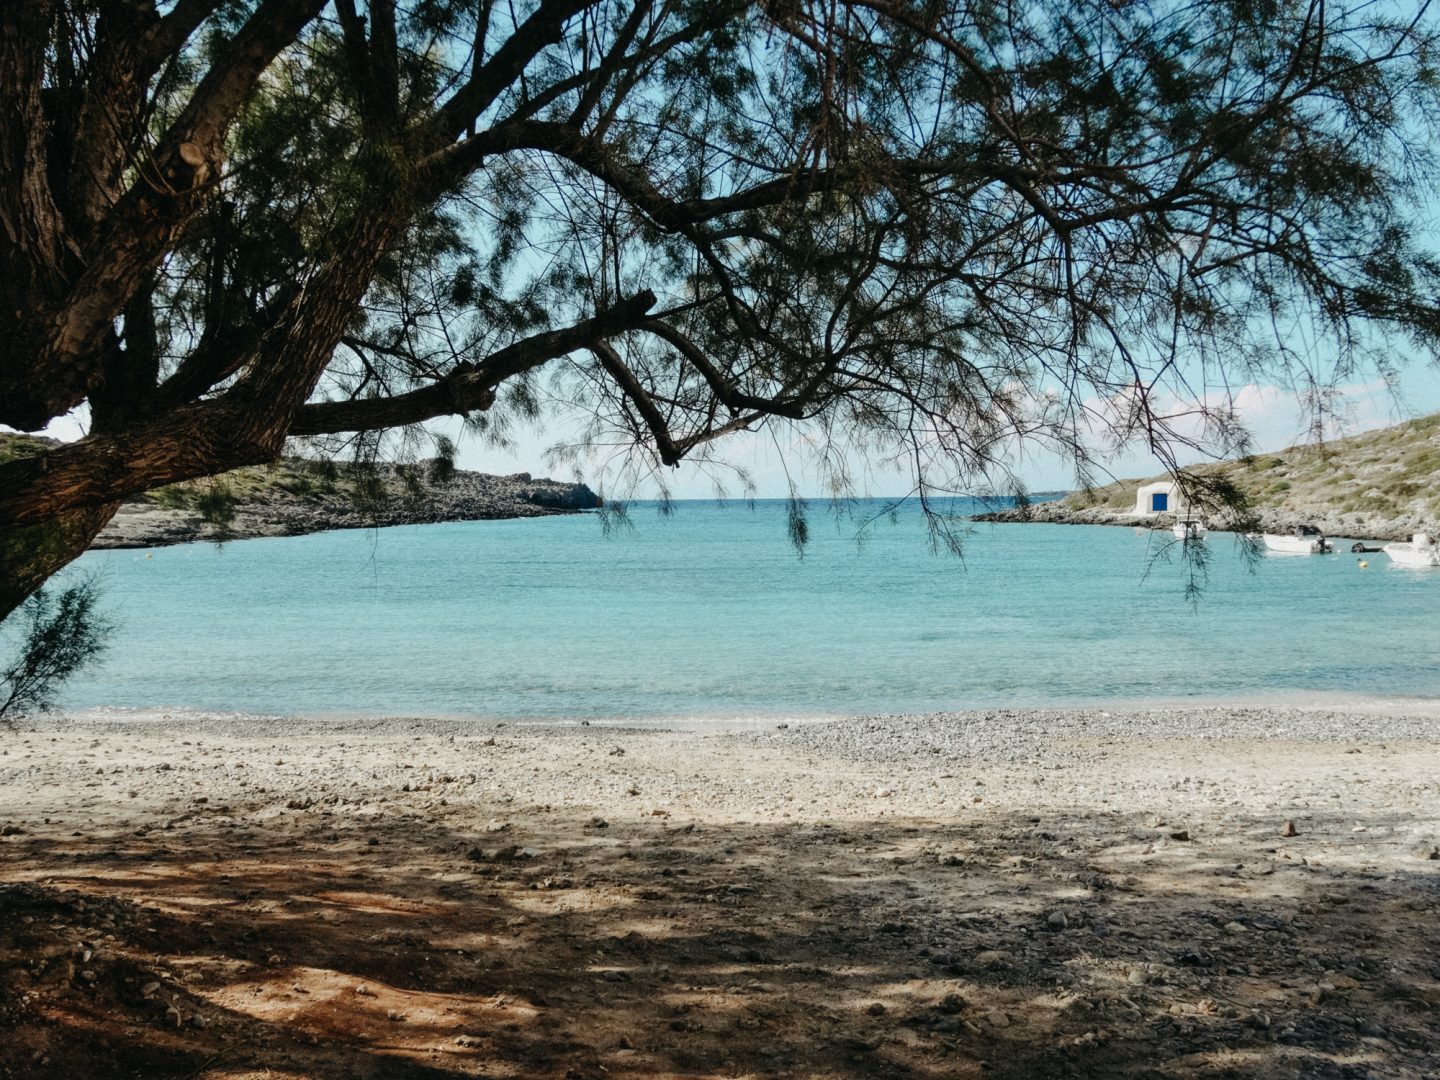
{"x": 62, "y": 347}
{"x": 491, "y": 78}
{"x": 470, "y": 387}
{"x": 638, "y": 396}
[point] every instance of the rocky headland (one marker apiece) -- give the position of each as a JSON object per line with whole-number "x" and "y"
{"x": 1381, "y": 485}
{"x": 294, "y": 497}
{"x": 302, "y": 495}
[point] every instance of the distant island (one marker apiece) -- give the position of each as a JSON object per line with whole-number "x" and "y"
{"x": 1380, "y": 485}
{"x": 300, "y": 495}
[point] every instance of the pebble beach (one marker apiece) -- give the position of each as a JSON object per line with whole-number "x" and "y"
{"x": 1154, "y": 892}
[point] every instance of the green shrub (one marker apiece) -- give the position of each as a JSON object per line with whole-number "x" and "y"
{"x": 58, "y": 636}
{"x": 172, "y": 497}
{"x": 216, "y": 504}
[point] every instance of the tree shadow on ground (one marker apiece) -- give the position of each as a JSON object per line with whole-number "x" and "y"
{"x": 316, "y": 946}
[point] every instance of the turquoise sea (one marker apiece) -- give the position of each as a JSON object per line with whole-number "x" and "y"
{"x": 710, "y": 614}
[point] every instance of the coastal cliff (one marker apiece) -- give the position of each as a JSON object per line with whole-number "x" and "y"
{"x": 1380, "y": 485}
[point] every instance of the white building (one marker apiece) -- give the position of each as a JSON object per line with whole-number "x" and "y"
{"x": 1161, "y": 497}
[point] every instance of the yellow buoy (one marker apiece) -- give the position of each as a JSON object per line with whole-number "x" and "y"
{"x": 1363, "y": 564}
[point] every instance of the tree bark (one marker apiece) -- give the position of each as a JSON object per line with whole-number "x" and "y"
{"x": 31, "y": 554}
{"x": 56, "y": 348}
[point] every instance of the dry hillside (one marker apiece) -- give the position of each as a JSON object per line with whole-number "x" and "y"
{"x": 1381, "y": 484}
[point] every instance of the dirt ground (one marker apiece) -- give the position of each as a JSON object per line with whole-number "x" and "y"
{"x": 670, "y": 905}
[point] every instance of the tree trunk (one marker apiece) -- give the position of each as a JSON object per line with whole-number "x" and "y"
{"x": 30, "y": 554}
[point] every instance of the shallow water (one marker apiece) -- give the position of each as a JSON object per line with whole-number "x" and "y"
{"x": 709, "y": 614}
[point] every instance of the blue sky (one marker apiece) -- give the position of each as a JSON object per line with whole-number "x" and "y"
{"x": 1272, "y": 414}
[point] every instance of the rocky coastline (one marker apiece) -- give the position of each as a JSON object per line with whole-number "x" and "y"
{"x": 291, "y": 502}
{"x": 1270, "y": 520}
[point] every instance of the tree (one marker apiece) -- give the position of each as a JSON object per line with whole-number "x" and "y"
{"x": 929, "y": 228}
{"x": 61, "y": 636}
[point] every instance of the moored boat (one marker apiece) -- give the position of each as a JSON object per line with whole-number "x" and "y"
{"x": 1304, "y": 540}
{"x": 1420, "y": 551}
{"x": 1189, "y": 529}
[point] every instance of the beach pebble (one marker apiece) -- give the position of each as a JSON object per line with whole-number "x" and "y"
{"x": 1056, "y": 920}
{"x": 1288, "y": 829}
{"x": 876, "y": 1009}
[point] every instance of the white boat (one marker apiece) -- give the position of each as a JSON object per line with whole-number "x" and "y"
{"x": 1189, "y": 529}
{"x": 1305, "y": 540}
{"x": 1419, "y": 552}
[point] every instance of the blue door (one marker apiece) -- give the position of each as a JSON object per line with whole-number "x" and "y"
{"x": 1159, "y": 503}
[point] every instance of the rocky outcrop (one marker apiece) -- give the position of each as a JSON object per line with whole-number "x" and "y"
{"x": 292, "y": 498}
{"x": 1062, "y": 512}
{"x": 1380, "y": 485}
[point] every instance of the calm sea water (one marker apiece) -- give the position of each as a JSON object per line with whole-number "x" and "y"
{"x": 709, "y": 614}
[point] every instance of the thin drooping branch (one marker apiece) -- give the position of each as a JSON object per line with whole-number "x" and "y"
{"x": 641, "y": 399}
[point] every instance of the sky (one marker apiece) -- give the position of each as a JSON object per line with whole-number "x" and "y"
{"x": 1273, "y": 415}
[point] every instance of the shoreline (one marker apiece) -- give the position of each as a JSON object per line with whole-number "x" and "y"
{"x": 181, "y": 717}
{"x": 1007, "y": 894}
{"x": 1267, "y": 521}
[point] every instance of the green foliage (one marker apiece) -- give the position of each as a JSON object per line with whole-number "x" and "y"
{"x": 55, "y": 637}
{"x": 324, "y": 469}
{"x": 891, "y": 307}
{"x": 301, "y": 486}
{"x": 367, "y": 487}
{"x": 442, "y": 465}
{"x": 16, "y": 447}
{"x": 919, "y": 233}
{"x": 411, "y": 482}
{"x": 216, "y": 502}
{"x": 797, "y": 523}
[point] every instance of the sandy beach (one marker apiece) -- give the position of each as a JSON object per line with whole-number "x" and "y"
{"x": 1216, "y": 892}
